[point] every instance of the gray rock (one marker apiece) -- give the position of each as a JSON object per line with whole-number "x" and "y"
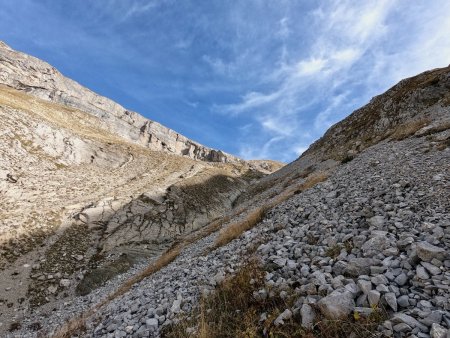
{"x": 358, "y": 266}
{"x": 427, "y": 252}
{"x": 365, "y": 286}
{"x": 402, "y": 327}
{"x": 280, "y": 261}
{"x": 434, "y": 270}
{"x": 64, "y": 283}
{"x": 403, "y": 301}
{"x": 337, "y": 305}
{"x": 363, "y": 311}
{"x": 376, "y": 221}
{"x": 374, "y": 297}
{"x": 433, "y": 317}
{"x": 152, "y": 324}
{"x": 391, "y": 300}
{"x": 285, "y": 315}
{"x": 308, "y": 315}
{"x": 412, "y": 322}
{"x": 421, "y": 273}
{"x": 401, "y": 279}
{"x": 379, "y": 279}
{"x": 176, "y": 306}
{"x": 437, "y": 331}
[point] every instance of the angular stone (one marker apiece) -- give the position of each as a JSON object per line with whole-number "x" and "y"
{"x": 421, "y": 273}
{"x": 64, "y": 283}
{"x": 363, "y": 311}
{"x": 412, "y": 322}
{"x": 376, "y": 221}
{"x": 374, "y": 297}
{"x": 402, "y": 327}
{"x": 391, "y": 300}
{"x": 365, "y": 286}
{"x": 176, "y": 305}
{"x": 308, "y": 315}
{"x": 434, "y": 270}
{"x": 427, "y": 252}
{"x": 437, "y": 331}
{"x": 433, "y": 317}
{"x": 152, "y": 324}
{"x": 358, "y": 266}
{"x": 403, "y": 301}
{"x": 401, "y": 279}
{"x": 285, "y": 315}
{"x": 379, "y": 279}
{"x": 337, "y": 305}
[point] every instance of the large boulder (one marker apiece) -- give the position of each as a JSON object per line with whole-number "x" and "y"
{"x": 337, "y": 305}
{"x": 427, "y": 252}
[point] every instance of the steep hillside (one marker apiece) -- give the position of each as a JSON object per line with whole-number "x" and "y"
{"x": 38, "y": 78}
{"x": 350, "y": 240}
{"x": 81, "y": 200}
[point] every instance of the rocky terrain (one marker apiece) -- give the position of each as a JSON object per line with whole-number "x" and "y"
{"x": 351, "y": 239}
{"x": 81, "y": 201}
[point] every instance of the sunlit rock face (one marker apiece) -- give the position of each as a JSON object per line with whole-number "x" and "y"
{"x": 38, "y": 78}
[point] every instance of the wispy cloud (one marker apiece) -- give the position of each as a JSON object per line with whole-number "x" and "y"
{"x": 261, "y": 79}
{"x": 353, "y": 45}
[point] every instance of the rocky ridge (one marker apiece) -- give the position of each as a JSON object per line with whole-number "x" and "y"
{"x": 36, "y": 77}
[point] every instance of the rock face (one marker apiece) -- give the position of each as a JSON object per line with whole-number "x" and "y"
{"x": 38, "y": 78}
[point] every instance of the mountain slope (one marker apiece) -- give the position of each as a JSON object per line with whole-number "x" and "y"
{"x": 38, "y": 78}
{"x": 81, "y": 199}
{"x": 351, "y": 241}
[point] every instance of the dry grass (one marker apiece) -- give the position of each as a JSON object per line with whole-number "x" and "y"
{"x": 256, "y": 215}
{"x": 234, "y": 230}
{"x": 437, "y": 129}
{"x": 232, "y": 310}
{"x": 409, "y": 129}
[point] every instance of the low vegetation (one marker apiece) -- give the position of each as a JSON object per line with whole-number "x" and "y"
{"x": 409, "y": 129}
{"x": 234, "y": 310}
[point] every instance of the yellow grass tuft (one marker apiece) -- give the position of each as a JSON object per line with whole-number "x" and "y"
{"x": 256, "y": 215}
{"x": 409, "y": 129}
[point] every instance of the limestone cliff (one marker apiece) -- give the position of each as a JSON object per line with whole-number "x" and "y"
{"x": 38, "y": 78}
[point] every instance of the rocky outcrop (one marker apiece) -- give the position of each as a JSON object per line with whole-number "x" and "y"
{"x": 38, "y": 78}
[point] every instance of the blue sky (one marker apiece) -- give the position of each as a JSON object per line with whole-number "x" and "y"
{"x": 259, "y": 79}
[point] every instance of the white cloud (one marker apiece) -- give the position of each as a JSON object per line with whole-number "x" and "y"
{"x": 251, "y": 100}
{"x": 312, "y": 79}
{"x": 312, "y": 66}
